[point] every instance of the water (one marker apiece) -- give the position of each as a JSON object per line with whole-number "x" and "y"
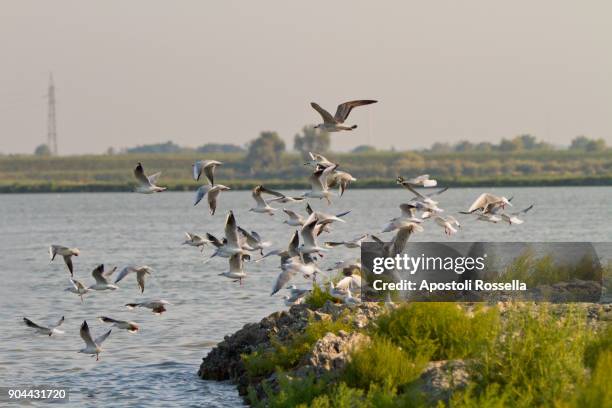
{"x": 158, "y": 366}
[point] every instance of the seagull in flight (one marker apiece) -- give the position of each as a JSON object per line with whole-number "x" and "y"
{"x": 422, "y": 181}
{"x": 262, "y": 206}
{"x": 318, "y": 160}
{"x": 448, "y": 223}
{"x": 295, "y": 219}
{"x": 213, "y": 193}
{"x": 488, "y": 203}
{"x": 206, "y": 166}
{"x": 319, "y": 184}
{"x": 101, "y": 278}
{"x": 146, "y": 184}
{"x": 141, "y": 272}
{"x": 157, "y": 306}
{"x": 512, "y": 218}
{"x": 52, "y": 329}
{"x": 78, "y": 288}
{"x": 253, "y": 240}
{"x": 93, "y": 347}
{"x": 66, "y": 253}
{"x": 353, "y": 243}
{"x": 236, "y": 268}
{"x": 336, "y": 123}
{"x": 340, "y": 179}
{"x": 131, "y": 327}
{"x": 195, "y": 240}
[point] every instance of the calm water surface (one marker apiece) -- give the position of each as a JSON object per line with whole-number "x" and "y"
{"x": 158, "y": 366}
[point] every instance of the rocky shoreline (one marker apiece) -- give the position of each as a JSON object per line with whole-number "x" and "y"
{"x": 330, "y": 353}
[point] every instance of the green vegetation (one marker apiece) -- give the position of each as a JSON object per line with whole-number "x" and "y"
{"x": 526, "y": 355}
{"x": 373, "y": 169}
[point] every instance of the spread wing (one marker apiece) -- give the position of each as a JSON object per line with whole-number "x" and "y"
{"x": 345, "y": 108}
{"x": 308, "y": 236}
{"x": 98, "y": 274}
{"x": 212, "y": 200}
{"x": 140, "y": 278}
{"x": 235, "y": 263}
{"x": 292, "y": 248}
{"x": 68, "y": 261}
{"x": 140, "y": 176}
{"x": 483, "y": 201}
{"x": 30, "y": 323}
{"x": 231, "y": 230}
{"x": 201, "y": 192}
{"x": 59, "y": 322}
{"x": 103, "y": 337}
{"x": 153, "y": 178}
{"x": 271, "y": 192}
{"x": 282, "y": 279}
{"x": 86, "y": 335}
{"x": 124, "y": 273}
{"x": 327, "y": 117}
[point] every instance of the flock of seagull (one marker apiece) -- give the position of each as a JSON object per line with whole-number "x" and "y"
{"x": 303, "y": 253}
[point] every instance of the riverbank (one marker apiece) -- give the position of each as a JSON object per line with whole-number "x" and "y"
{"x": 421, "y": 354}
{"x": 189, "y": 185}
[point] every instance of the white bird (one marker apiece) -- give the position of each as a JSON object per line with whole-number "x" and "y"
{"x": 425, "y": 200}
{"x": 146, "y": 184}
{"x": 93, "y": 347}
{"x": 318, "y": 160}
{"x": 157, "y": 306}
{"x": 335, "y": 123}
{"x": 340, "y": 179}
{"x": 324, "y": 218}
{"x": 309, "y": 241}
{"x": 212, "y": 192}
{"x": 353, "y": 243}
{"x": 399, "y": 223}
{"x": 236, "y": 268}
{"x": 488, "y": 203}
{"x": 253, "y": 240}
{"x": 52, "y": 329}
{"x": 77, "y": 288}
{"x": 512, "y": 218}
{"x": 318, "y": 184}
{"x": 349, "y": 299}
{"x": 295, "y": 219}
{"x": 101, "y": 278}
{"x": 195, "y": 240}
{"x": 231, "y": 245}
{"x": 262, "y": 206}
{"x": 296, "y": 296}
{"x": 131, "y": 327}
{"x": 66, "y": 253}
{"x": 448, "y": 224}
{"x": 140, "y": 271}
{"x": 350, "y": 281}
{"x": 206, "y": 166}
{"x": 291, "y": 268}
{"x": 422, "y": 180}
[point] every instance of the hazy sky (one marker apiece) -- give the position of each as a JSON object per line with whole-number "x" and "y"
{"x": 135, "y": 72}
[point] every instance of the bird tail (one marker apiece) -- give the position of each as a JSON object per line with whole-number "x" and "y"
{"x": 353, "y": 127}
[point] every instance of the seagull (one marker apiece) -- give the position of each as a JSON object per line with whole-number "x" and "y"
{"x": 147, "y": 183}
{"x": 157, "y": 306}
{"x": 195, "y": 240}
{"x": 93, "y": 347}
{"x": 213, "y": 192}
{"x": 296, "y": 296}
{"x": 236, "y": 268}
{"x": 399, "y": 223}
{"x": 206, "y": 166}
{"x": 290, "y": 269}
{"x": 318, "y": 184}
{"x": 262, "y": 206}
{"x": 291, "y": 251}
{"x": 425, "y": 200}
{"x": 295, "y": 219}
{"x": 101, "y": 277}
{"x": 448, "y": 224}
{"x": 141, "y": 272}
{"x": 422, "y": 180}
{"x": 309, "y": 241}
{"x": 253, "y": 240}
{"x": 350, "y": 280}
{"x": 340, "y": 179}
{"x": 66, "y": 253}
{"x": 487, "y": 203}
{"x": 53, "y": 329}
{"x": 512, "y": 218}
{"x": 323, "y": 218}
{"x": 353, "y": 243}
{"x": 317, "y": 160}
{"x": 231, "y": 245}
{"x": 335, "y": 123}
{"x": 349, "y": 299}
{"x": 77, "y": 288}
{"x": 131, "y": 327}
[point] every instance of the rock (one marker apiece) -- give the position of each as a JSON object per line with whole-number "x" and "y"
{"x": 441, "y": 378}
{"x": 332, "y": 352}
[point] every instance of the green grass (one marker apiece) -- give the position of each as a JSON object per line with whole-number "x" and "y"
{"x": 532, "y": 356}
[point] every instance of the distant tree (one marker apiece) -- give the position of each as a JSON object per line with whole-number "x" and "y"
{"x": 42, "y": 150}
{"x": 265, "y": 151}
{"x": 440, "y": 148}
{"x": 311, "y": 140}
{"x": 219, "y": 148}
{"x": 588, "y": 145}
{"x": 364, "y": 149}
{"x": 484, "y": 147}
{"x": 168, "y": 147}
{"x": 464, "y": 146}
{"x": 527, "y": 142}
{"x": 510, "y": 145}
